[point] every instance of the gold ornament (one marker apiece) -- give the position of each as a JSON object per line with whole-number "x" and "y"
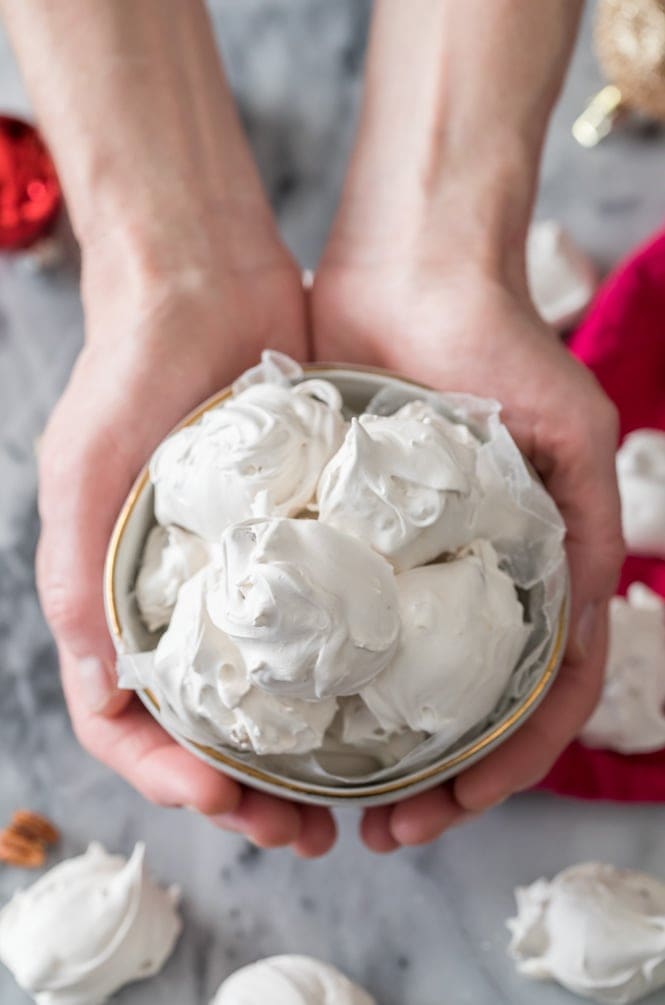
{"x": 630, "y": 44}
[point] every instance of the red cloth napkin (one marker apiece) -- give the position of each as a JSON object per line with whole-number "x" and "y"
{"x": 622, "y": 340}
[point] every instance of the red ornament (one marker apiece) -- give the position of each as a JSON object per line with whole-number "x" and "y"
{"x": 30, "y": 196}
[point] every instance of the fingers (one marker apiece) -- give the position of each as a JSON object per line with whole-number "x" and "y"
{"x": 516, "y": 765}
{"x": 527, "y": 756}
{"x": 424, "y": 817}
{"x": 266, "y": 820}
{"x": 318, "y": 832}
{"x": 580, "y": 474}
{"x": 414, "y": 821}
{"x": 375, "y": 830}
{"x": 270, "y": 822}
{"x": 134, "y": 745}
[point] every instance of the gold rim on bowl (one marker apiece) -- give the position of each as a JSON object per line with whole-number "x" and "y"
{"x": 350, "y": 792}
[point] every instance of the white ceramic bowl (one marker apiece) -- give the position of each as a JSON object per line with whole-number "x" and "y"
{"x": 358, "y": 386}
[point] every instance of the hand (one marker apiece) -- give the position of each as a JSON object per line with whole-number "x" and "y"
{"x": 459, "y": 329}
{"x": 157, "y": 344}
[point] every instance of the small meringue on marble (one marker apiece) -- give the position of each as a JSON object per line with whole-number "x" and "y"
{"x": 198, "y": 676}
{"x": 258, "y": 454}
{"x": 170, "y": 557}
{"x": 86, "y": 928}
{"x": 641, "y": 474}
{"x": 403, "y": 484}
{"x": 630, "y": 716}
{"x": 462, "y": 634}
{"x": 562, "y": 278}
{"x": 596, "y": 930}
{"x": 312, "y": 611}
{"x": 290, "y": 980}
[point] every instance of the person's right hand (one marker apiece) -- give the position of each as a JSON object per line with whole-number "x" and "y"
{"x": 452, "y": 326}
{"x": 160, "y": 339}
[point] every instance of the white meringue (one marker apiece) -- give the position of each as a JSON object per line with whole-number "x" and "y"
{"x": 562, "y": 278}
{"x": 170, "y": 557}
{"x": 630, "y": 716}
{"x": 402, "y": 483}
{"x": 290, "y": 980}
{"x": 199, "y": 679}
{"x": 462, "y": 634}
{"x": 312, "y": 611}
{"x": 356, "y": 728}
{"x": 259, "y": 454}
{"x": 86, "y": 928}
{"x": 597, "y": 930}
{"x": 641, "y": 473}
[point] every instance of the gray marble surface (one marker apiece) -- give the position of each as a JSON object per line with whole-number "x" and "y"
{"x": 421, "y": 927}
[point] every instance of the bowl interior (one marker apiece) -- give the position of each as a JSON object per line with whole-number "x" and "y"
{"x": 358, "y": 387}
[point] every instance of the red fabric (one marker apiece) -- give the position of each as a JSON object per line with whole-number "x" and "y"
{"x": 622, "y": 340}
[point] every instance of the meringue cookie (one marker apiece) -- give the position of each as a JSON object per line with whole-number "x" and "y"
{"x": 462, "y": 634}
{"x": 198, "y": 676}
{"x": 356, "y": 728}
{"x": 597, "y": 930}
{"x": 562, "y": 278}
{"x": 259, "y": 454}
{"x": 312, "y": 611}
{"x": 86, "y": 928}
{"x": 641, "y": 473}
{"x": 402, "y": 483}
{"x": 170, "y": 557}
{"x": 290, "y": 980}
{"x": 630, "y": 716}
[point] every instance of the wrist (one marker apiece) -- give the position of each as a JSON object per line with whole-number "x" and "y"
{"x": 154, "y": 292}
{"x": 472, "y": 217}
{"x": 193, "y": 232}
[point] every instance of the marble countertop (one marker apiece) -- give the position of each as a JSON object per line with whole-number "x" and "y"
{"x": 420, "y": 927}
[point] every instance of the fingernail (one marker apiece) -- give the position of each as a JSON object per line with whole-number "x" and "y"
{"x": 586, "y": 630}
{"x": 96, "y": 684}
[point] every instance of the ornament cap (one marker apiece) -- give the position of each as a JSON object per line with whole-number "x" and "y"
{"x": 599, "y": 117}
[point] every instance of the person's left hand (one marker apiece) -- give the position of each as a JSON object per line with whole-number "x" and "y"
{"x": 157, "y": 344}
{"x": 457, "y": 329}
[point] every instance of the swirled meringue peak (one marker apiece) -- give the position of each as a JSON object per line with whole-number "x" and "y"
{"x": 641, "y": 473}
{"x": 630, "y": 716}
{"x": 290, "y": 980}
{"x": 87, "y": 927}
{"x": 198, "y": 676}
{"x": 462, "y": 634}
{"x": 170, "y": 557}
{"x": 259, "y": 454}
{"x": 404, "y": 483}
{"x": 312, "y": 611}
{"x": 596, "y": 930}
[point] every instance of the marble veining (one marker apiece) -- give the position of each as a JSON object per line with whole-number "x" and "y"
{"x": 424, "y": 926}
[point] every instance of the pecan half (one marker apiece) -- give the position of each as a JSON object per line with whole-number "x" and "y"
{"x": 20, "y": 851}
{"x": 34, "y": 826}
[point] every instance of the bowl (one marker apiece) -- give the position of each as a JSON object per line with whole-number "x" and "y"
{"x": 357, "y": 385}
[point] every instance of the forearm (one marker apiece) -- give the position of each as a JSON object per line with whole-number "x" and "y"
{"x": 142, "y": 125}
{"x": 456, "y": 105}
